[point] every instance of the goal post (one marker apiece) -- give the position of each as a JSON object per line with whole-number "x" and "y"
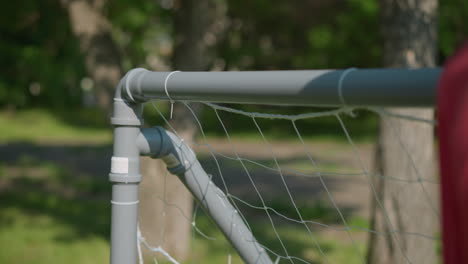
{"x": 339, "y": 88}
{"x": 366, "y": 87}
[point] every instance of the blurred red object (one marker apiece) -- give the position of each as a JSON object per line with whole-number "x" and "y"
{"x": 452, "y": 103}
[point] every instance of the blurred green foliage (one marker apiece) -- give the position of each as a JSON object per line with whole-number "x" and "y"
{"x": 140, "y": 29}
{"x": 38, "y": 48}
{"x": 41, "y": 64}
{"x": 302, "y": 34}
{"x": 453, "y": 28}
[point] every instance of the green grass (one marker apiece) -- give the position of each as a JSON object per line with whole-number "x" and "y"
{"x": 298, "y": 241}
{"x": 37, "y": 125}
{"x": 49, "y": 214}
{"x": 42, "y": 239}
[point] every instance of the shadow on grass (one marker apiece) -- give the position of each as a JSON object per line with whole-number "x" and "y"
{"x": 295, "y": 241}
{"x": 307, "y": 189}
{"x": 60, "y": 182}
{"x": 79, "y": 159}
{"x": 86, "y": 216}
{"x": 312, "y": 202}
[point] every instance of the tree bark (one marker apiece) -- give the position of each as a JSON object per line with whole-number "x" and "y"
{"x": 405, "y": 149}
{"x": 102, "y": 56}
{"x": 197, "y": 27}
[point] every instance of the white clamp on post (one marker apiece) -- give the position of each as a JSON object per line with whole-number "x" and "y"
{"x": 119, "y": 165}
{"x": 125, "y": 203}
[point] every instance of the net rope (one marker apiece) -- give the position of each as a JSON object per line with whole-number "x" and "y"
{"x": 272, "y": 214}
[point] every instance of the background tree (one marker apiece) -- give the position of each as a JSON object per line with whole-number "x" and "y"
{"x": 198, "y": 25}
{"x": 409, "y": 30}
{"x": 102, "y": 56}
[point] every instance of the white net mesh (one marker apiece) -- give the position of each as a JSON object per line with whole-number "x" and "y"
{"x": 309, "y": 194}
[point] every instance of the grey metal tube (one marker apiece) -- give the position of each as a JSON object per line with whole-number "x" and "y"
{"x": 124, "y": 223}
{"x": 366, "y": 87}
{"x": 182, "y": 162}
{"x": 125, "y": 177}
{"x": 224, "y": 215}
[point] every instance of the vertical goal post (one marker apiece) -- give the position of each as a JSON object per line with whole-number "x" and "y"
{"x": 327, "y": 88}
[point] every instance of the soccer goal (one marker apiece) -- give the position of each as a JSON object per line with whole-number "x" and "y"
{"x": 297, "y": 184}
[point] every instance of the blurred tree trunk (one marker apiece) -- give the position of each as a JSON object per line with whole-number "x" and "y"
{"x": 409, "y": 29}
{"x": 197, "y": 27}
{"x": 102, "y": 56}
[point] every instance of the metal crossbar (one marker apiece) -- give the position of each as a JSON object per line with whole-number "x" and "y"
{"x": 366, "y": 87}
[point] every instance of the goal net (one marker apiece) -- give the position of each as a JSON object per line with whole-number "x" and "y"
{"x": 313, "y": 185}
